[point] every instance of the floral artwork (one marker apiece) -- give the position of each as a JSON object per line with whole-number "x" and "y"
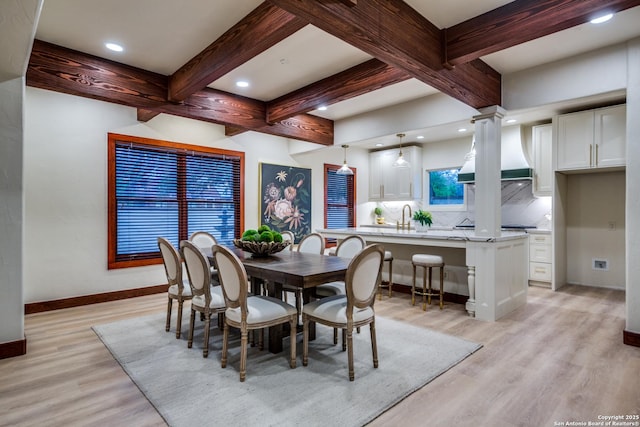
{"x": 285, "y": 195}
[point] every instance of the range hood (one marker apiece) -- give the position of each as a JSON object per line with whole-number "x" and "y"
{"x": 514, "y": 164}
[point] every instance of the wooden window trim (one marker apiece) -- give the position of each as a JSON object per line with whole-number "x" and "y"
{"x": 112, "y": 262}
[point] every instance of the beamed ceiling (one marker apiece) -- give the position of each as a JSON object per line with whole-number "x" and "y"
{"x": 383, "y": 43}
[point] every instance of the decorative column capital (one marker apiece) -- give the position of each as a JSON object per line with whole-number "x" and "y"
{"x": 494, "y": 111}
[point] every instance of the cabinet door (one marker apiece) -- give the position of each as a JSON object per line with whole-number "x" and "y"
{"x": 575, "y": 141}
{"x": 610, "y": 136}
{"x": 543, "y": 175}
{"x": 375, "y": 175}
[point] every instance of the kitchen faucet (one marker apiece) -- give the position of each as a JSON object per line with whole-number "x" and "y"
{"x": 407, "y": 224}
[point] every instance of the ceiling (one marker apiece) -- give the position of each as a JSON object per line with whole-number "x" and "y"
{"x": 163, "y": 35}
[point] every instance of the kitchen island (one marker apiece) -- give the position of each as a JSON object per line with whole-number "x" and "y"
{"x": 497, "y": 267}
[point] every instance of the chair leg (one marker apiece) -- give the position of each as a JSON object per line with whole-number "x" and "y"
{"x": 207, "y": 324}
{"x": 335, "y": 336}
{"x": 192, "y": 321}
{"x": 390, "y": 277}
{"x": 374, "y": 344}
{"x": 261, "y": 339}
{"x": 344, "y": 341}
{"x": 293, "y": 323}
{"x": 424, "y": 288}
{"x": 169, "y": 304}
{"x": 413, "y": 287}
{"x": 244, "y": 340}
{"x": 179, "y": 320}
{"x": 441, "y": 287}
{"x": 225, "y": 345}
{"x": 305, "y": 341}
{"x": 350, "y": 352}
{"x": 430, "y": 287}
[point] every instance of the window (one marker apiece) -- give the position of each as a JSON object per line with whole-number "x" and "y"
{"x": 445, "y": 193}
{"x": 159, "y": 188}
{"x": 339, "y": 198}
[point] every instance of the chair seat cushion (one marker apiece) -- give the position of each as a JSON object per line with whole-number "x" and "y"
{"x": 427, "y": 260}
{"x": 388, "y": 256}
{"x": 331, "y": 251}
{"x": 217, "y": 299}
{"x": 262, "y": 309}
{"x": 186, "y": 290}
{"x": 334, "y": 309}
{"x": 330, "y": 289}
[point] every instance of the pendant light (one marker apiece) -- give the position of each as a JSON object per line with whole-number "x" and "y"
{"x": 400, "y": 161}
{"x": 345, "y": 170}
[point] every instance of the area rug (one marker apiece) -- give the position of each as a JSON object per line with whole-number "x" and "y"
{"x": 188, "y": 389}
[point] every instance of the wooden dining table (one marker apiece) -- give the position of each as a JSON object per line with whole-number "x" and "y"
{"x": 291, "y": 268}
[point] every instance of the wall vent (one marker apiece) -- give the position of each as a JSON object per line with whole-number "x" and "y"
{"x": 600, "y": 264}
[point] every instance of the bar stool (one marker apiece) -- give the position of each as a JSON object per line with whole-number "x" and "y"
{"x": 388, "y": 256}
{"x": 427, "y": 262}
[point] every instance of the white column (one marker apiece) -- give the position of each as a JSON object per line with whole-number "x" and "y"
{"x": 632, "y": 220}
{"x": 11, "y": 211}
{"x": 488, "y": 154}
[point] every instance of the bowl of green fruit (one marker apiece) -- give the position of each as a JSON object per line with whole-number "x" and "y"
{"x": 261, "y": 242}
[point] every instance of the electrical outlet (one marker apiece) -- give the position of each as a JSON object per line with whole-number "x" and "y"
{"x": 612, "y": 225}
{"x": 445, "y": 274}
{"x": 600, "y": 264}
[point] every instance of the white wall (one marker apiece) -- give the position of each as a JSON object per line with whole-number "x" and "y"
{"x": 595, "y": 200}
{"x": 65, "y": 247}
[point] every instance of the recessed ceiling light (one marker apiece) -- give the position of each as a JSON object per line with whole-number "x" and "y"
{"x": 419, "y": 137}
{"x": 379, "y": 144}
{"x": 242, "y": 83}
{"x": 114, "y": 47}
{"x": 322, "y": 108}
{"x": 601, "y": 19}
{"x": 511, "y": 121}
{"x": 462, "y": 130}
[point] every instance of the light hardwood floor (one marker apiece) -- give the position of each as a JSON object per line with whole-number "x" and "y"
{"x": 558, "y": 359}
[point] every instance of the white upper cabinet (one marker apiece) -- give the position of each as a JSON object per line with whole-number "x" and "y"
{"x": 543, "y": 170}
{"x": 592, "y": 139}
{"x": 389, "y": 183}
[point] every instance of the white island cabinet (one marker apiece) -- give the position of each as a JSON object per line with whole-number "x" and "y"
{"x": 497, "y": 268}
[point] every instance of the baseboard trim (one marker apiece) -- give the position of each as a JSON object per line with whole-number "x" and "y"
{"x": 13, "y": 349}
{"x": 39, "y": 307}
{"x": 631, "y": 338}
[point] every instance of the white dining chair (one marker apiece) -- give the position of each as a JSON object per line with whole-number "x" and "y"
{"x": 207, "y": 299}
{"x": 249, "y": 312}
{"x": 179, "y": 288}
{"x": 355, "y": 309}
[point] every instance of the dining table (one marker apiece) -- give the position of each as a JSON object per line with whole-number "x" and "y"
{"x": 291, "y": 268}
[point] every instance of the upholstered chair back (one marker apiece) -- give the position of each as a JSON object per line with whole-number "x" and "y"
{"x": 311, "y": 243}
{"x": 233, "y": 278}
{"x": 363, "y": 277}
{"x": 198, "y": 270}
{"x": 172, "y": 262}
{"x": 350, "y": 246}
{"x": 203, "y": 239}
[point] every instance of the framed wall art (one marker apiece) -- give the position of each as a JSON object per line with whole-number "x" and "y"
{"x": 285, "y": 198}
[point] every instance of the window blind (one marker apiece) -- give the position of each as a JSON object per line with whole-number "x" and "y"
{"x": 339, "y": 199}
{"x": 171, "y": 192}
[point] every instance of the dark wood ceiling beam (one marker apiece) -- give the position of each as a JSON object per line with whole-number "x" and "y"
{"x": 64, "y": 70}
{"x": 519, "y": 22}
{"x": 394, "y": 33}
{"x": 363, "y": 78}
{"x": 265, "y": 26}
{"x": 145, "y": 115}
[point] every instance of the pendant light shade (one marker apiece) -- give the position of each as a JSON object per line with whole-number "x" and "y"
{"x": 401, "y": 162}
{"x": 345, "y": 169}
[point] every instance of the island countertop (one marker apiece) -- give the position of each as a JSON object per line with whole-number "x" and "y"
{"x": 417, "y": 237}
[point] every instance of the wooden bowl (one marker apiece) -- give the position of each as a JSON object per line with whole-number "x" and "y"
{"x": 260, "y": 249}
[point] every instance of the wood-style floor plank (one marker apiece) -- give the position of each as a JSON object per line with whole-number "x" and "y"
{"x": 560, "y": 358}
